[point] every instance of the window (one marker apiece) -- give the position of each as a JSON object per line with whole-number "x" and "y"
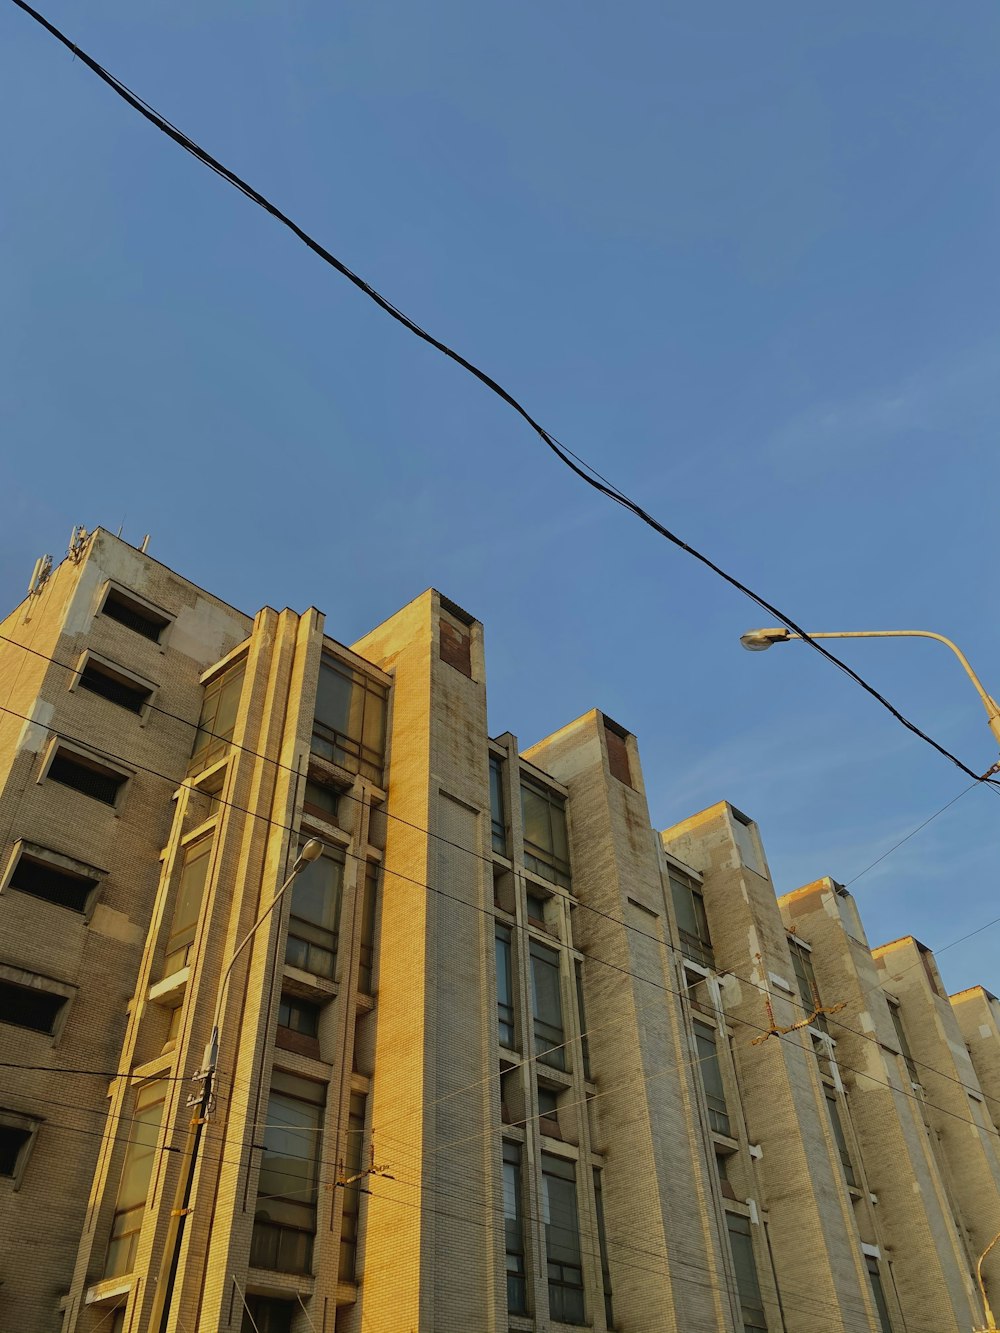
{"x": 285, "y": 1218}
{"x": 187, "y": 905}
{"x": 536, "y": 907}
{"x": 353, "y": 1158}
{"x": 54, "y": 878}
{"x": 513, "y": 1226}
{"x": 722, "y": 1167}
{"x": 314, "y": 922}
{"x": 839, "y": 1137}
{"x": 134, "y": 614}
{"x": 349, "y": 729}
{"x": 455, "y": 647}
{"x": 878, "y": 1293}
{"x": 29, "y": 1006}
{"x": 369, "y": 905}
{"x": 137, "y": 1169}
{"x": 805, "y": 978}
{"x": 86, "y": 775}
{"x": 904, "y": 1045}
{"x": 616, "y": 739}
{"x": 548, "y": 1103}
{"x": 747, "y": 1284}
{"x": 692, "y": 922}
{"x": 581, "y": 1014}
{"x": 262, "y": 1314}
{"x": 114, "y": 686}
{"x": 602, "y": 1240}
{"x": 16, "y": 1134}
{"x": 298, "y": 1016}
{"x": 321, "y": 801}
{"x": 547, "y": 1006}
{"x": 562, "y": 1239}
{"x": 505, "y": 988}
{"x": 217, "y": 722}
{"x": 746, "y": 841}
{"x": 711, "y": 1077}
{"x": 543, "y": 815}
{"x": 498, "y": 820}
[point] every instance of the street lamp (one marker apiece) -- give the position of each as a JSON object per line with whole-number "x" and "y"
{"x": 990, "y": 1320}
{"x": 757, "y": 640}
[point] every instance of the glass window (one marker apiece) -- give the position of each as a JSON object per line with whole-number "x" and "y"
{"x": 839, "y": 1137}
{"x": 805, "y": 978}
{"x": 218, "y": 717}
{"x": 187, "y": 906}
{"x": 562, "y": 1239}
{"x": 87, "y": 776}
{"x": 602, "y": 1240}
{"x": 52, "y": 882}
{"x": 321, "y": 801}
{"x": 262, "y": 1314}
{"x": 692, "y": 923}
{"x": 546, "y": 850}
{"x": 314, "y": 921}
{"x": 135, "y": 615}
{"x": 505, "y": 988}
{"x": 711, "y": 1077}
{"x": 878, "y": 1293}
{"x": 298, "y": 1016}
{"x": 582, "y": 1015}
{"x": 285, "y": 1217}
{"x": 349, "y": 729}
{"x": 29, "y": 1007}
{"x": 369, "y": 907}
{"x": 354, "y": 1156}
{"x": 499, "y": 823}
{"x": 747, "y": 1283}
{"x": 137, "y": 1169}
{"x": 547, "y": 1005}
{"x": 904, "y": 1045}
{"x": 513, "y": 1225}
{"x": 548, "y": 1102}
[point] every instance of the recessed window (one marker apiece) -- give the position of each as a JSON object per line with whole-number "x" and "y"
{"x": 114, "y": 686}
{"x": 369, "y": 919}
{"x": 548, "y": 1102}
{"x": 347, "y": 1262}
{"x": 16, "y": 1134}
{"x": 546, "y": 999}
{"x": 136, "y": 615}
{"x": 711, "y": 1077}
{"x": 692, "y": 921}
{"x": 546, "y": 849}
{"x": 88, "y": 776}
{"x": 137, "y": 1170}
{"x": 349, "y": 728}
{"x": 536, "y": 908}
{"x": 505, "y": 987}
{"x": 616, "y": 740}
{"x": 513, "y": 1218}
{"x": 747, "y": 1283}
{"x": 29, "y": 1007}
{"x": 904, "y": 1045}
{"x": 840, "y": 1137}
{"x": 602, "y": 1238}
{"x": 321, "y": 801}
{"x": 562, "y": 1239}
{"x": 264, "y": 1314}
{"x": 298, "y": 1016}
{"x": 878, "y": 1293}
{"x": 748, "y": 843}
{"x": 187, "y": 905}
{"x": 53, "y": 878}
{"x": 285, "y": 1217}
{"x": 314, "y": 921}
{"x": 498, "y": 821}
{"x": 217, "y": 722}
{"x": 805, "y": 979}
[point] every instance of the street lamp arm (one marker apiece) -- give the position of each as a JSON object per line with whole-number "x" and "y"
{"x": 991, "y": 1322}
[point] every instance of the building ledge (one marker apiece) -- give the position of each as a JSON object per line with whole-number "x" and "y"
{"x": 108, "y": 1292}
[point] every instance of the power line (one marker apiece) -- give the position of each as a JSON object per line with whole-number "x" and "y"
{"x": 583, "y": 470}
{"x": 912, "y": 833}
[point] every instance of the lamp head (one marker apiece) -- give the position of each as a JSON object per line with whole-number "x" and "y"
{"x": 756, "y": 640}
{"x": 312, "y": 851}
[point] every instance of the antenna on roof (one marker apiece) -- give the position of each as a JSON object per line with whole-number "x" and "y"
{"x": 42, "y": 570}
{"x": 145, "y": 543}
{"x": 77, "y": 541}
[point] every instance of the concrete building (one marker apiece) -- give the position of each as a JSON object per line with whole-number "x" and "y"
{"x": 501, "y": 1058}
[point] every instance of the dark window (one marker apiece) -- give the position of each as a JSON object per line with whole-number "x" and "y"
{"x": 536, "y": 907}
{"x": 143, "y": 619}
{"x": 369, "y": 912}
{"x": 547, "y": 1006}
{"x": 321, "y": 801}
{"x": 29, "y": 1007}
{"x": 86, "y": 775}
{"x": 618, "y": 765}
{"x": 581, "y": 1014}
{"x": 711, "y": 1077}
{"x": 602, "y": 1240}
{"x": 349, "y": 728}
{"x": 497, "y": 816}
{"x": 354, "y": 1156}
{"x": 455, "y": 647}
{"x": 137, "y": 1169}
{"x": 109, "y": 684}
{"x": 217, "y": 722}
{"x": 878, "y": 1293}
{"x": 546, "y": 850}
{"x": 722, "y": 1166}
{"x": 263, "y": 1314}
{"x": 904, "y": 1045}
{"x": 805, "y": 978}
{"x": 562, "y": 1240}
{"x": 513, "y": 1226}
{"x": 187, "y": 905}
{"x": 298, "y": 1016}
{"x": 55, "y": 884}
{"x": 548, "y": 1102}
{"x": 840, "y": 1138}
{"x": 747, "y": 1283}
{"x": 505, "y": 987}
{"x": 692, "y": 922}
{"x": 285, "y": 1217}
{"x": 314, "y": 922}
{"x": 13, "y": 1141}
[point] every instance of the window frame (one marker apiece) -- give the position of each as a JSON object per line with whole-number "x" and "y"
{"x": 85, "y": 758}
{"x": 27, "y": 1124}
{"x": 696, "y": 947}
{"x": 23, "y": 979}
{"x": 504, "y": 942}
{"x": 312, "y": 1137}
{"x": 33, "y": 851}
{"x": 217, "y": 745}
{"x": 557, "y": 1169}
{"x": 114, "y": 589}
{"x": 715, "y": 1100}
{"x": 739, "y": 1225}
{"x": 515, "y": 1254}
{"x": 112, "y": 669}
{"x": 544, "y": 954}
{"x": 499, "y": 835}
{"x": 545, "y": 862}
{"x": 132, "y": 1235}
{"x": 357, "y": 756}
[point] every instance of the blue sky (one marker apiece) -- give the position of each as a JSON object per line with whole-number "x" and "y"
{"x": 742, "y": 258}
